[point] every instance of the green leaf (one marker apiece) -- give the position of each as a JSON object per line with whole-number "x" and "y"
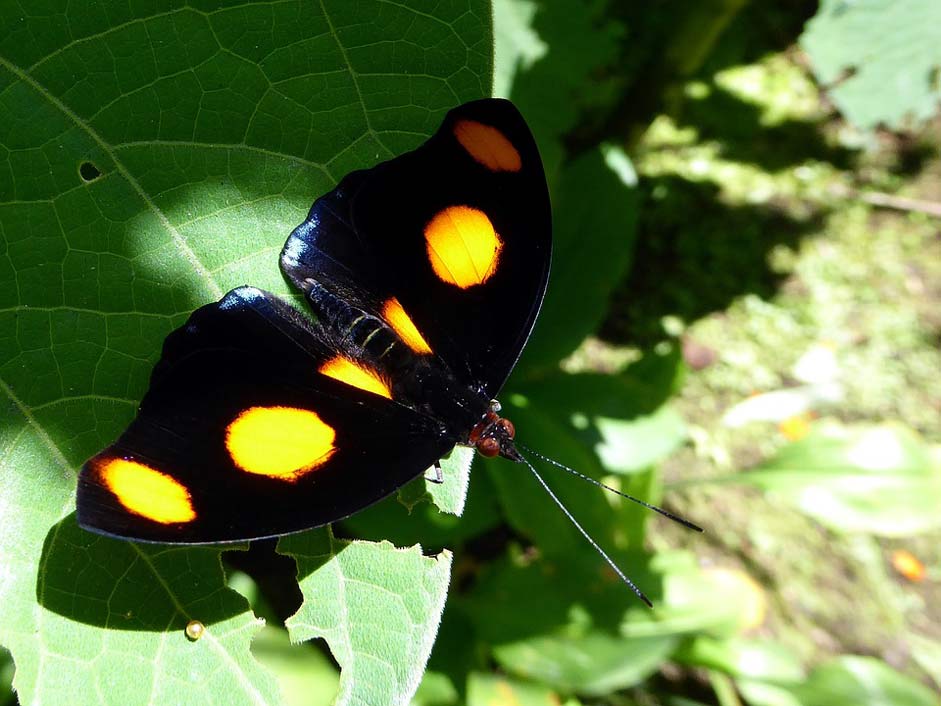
{"x": 102, "y": 621}
{"x": 693, "y": 600}
{"x": 594, "y": 664}
{"x": 378, "y": 607}
{"x": 765, "y": 672}
{"x": 436, "y": 689}
{"x": 629, "y": 446}
{"x": 489, "y": 690}
{"x": 744, "y": 658}
{"x": 415, "y": 520}
{"x": 880, "y": 57}
{"x": 616, "y": 415}
{"x": 150, "y": 160}
{"x": 6, "y": 679}
{"x": 862, "y": 681}
{"x": 305, "y": 674}
{"x": 877, "y": 479}
{"x": 449, "y": 495}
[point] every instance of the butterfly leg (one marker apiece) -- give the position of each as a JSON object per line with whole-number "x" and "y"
{"x": 438, "y": 476}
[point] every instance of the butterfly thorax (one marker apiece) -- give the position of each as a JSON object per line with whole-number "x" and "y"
{"x": 421, "y": 381}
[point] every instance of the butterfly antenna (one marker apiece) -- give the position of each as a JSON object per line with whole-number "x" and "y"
{"x": 666, "y": 513}
{"x": 617, "y": 570}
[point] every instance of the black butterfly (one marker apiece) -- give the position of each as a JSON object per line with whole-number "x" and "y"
{"x": 426, "y": 274}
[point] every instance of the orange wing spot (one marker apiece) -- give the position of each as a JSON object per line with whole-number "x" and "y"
{"x": 345, "y": 370}
{"x": 909, "y": 565}
{"x": 488, "y": 146}
{"x": 463, "y": 247}
{"x": 403, "y": 325}
{"x": 146, "y": 491}
{"x": 279, "y": 442}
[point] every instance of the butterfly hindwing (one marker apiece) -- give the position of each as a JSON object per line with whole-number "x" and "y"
{"x": 457, "y": 232}
{"x": 240, "y": 436}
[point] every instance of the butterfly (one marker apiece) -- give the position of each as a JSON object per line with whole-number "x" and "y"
{"x": 425, "y": 274}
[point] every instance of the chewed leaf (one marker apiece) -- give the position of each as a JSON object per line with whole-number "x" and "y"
{"x": 377, "y": 607}
{"x": 451, "y": 493}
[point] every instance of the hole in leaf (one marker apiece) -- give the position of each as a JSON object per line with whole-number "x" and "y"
{"x": 88, "y": 171}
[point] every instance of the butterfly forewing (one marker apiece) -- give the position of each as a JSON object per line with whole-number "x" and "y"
{"x": 457, "y": 231}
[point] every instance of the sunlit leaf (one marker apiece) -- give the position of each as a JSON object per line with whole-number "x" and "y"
{"x": 878, "y": 479}
{"x": 744, "y": 658}
{"x": 377, "y": 607}
{"x": 863, "y": 681}
{"x": 881, "y": 58}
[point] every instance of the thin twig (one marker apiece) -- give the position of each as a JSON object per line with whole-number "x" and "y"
{"x": 899, "y": 203}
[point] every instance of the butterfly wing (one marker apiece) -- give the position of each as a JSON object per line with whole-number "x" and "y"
{"x": 240, "y": 436}
{"x": 458, "y": 231}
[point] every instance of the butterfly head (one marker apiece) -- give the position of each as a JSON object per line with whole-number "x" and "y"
{"x": 493, "y": 436}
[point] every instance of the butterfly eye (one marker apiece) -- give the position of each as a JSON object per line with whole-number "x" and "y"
{"x": 488, "y": 447}
{"x": 507, "y": 427}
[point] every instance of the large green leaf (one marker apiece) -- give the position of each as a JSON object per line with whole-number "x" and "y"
{"x": 150, "y": 159}
{"x": 883, "y": 57}
{"x": 878, "y": 479}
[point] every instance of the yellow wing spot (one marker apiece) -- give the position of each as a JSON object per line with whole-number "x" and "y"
{"x": 279, "y": 442}
{"x": 403, "y": 325}
{"x": 345, "y": 370}
{"x": 488, "y": 146}
{"x": 463, "y": 247}
{"x": 147, "y": 492}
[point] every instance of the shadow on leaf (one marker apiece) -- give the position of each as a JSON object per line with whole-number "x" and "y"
{"x": 122, "y": 585}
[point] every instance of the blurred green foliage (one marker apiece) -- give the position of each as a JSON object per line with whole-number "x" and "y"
{"x": 708, "y": 241}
